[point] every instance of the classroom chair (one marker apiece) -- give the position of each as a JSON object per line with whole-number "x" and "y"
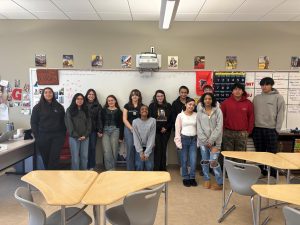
{"x": 241, "y": 177}
{"x": 291, "y": 215}
{"x": 37, "y": 215}
{"x": 138, "y": 208}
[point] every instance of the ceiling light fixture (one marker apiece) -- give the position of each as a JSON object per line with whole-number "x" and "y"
{"x": 167, "y": 12}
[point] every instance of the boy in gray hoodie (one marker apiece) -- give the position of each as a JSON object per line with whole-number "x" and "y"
{"x": 269, "y": 108}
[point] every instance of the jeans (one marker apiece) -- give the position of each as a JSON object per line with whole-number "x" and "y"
{"x": 143, "y": 165}
{"x": 79, "y": 152}
{"x": 110, "y": 142}
{"x": 210, "y": 159}
{"x": 188, "y": 151}
{"x": 130, "y": 157}
{"x": 92, "y": 150}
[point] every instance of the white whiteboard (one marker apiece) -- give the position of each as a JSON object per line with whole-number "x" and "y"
{"x": 118, "y": 83}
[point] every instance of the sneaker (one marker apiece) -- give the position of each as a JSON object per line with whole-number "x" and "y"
{"x": 193, "y": 182}
{"x": 217, "y": 187}
{"x": 206, "y": 184}
{"x": 186, "y": 182}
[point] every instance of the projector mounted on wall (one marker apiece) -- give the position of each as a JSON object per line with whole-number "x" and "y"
{"x": 148, "y": 61}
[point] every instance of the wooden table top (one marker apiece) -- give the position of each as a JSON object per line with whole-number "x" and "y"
{"x": 61, "y": 187}
{"x": 289, "y": 193}
{"x": 111, "y": 186}
{"x": 291, "y": 157}
{"x": 265, "y": 158}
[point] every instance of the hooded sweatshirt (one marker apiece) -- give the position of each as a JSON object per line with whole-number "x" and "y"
{"x": 269, "y": 110}
{"x": 238, "y": 115}
{"x": 209, "y": 128}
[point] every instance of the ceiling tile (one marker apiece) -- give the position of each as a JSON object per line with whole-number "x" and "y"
{"x": 8, "y": 6}
{"x": 19, "y": 15}
{"x": 145, "y": 17}
{"x": 111, "y": 5}
{"x": 145, "y": 6}
{"x": 279, "y": 17}
{"x": 83, "y": 16}
{"x": 115, "y": 16}
{"x": 74, "y": 5}
{"x": 212, "y": 16}
{"x": 186, "y": 16}
{"x": 190, "y": 6}
{"x": 2, "y": 17}
{"x": 37, "y": 5}
{"x": 221, "y": 6}
{"x": 288, "y": 6}
{"x": 51, "y": 15}
{"x": 244, "y": 17}
{"x": 258, "y": 6}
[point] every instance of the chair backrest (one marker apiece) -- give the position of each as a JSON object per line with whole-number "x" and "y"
{"x": 141, "y": 206}
{"x": 37, "y": 215}
{"x": 291, "y": 215}
{"x": 242, "y": 176}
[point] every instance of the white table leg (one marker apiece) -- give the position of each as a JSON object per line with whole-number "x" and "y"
{"x": 166, "y": 204}
{"x": 63, "y": 215}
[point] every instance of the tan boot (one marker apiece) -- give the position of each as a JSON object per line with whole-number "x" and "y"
{"x": 216, "y": 187}
{"x": 206, "y": 184}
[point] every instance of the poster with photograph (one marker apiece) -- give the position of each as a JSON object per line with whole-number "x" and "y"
{"x": 126, "y": 61}
{"x": 199, "y": 62}
{"x": 40, "y": 60}
{"x": 172, "y": 62}
{"x": 263, "y": 62}
{"x": 295, "y": 62}
{"x": 97, "y": 61}
{"x": 68, "y": 61}
{"x": 231, "y": 62}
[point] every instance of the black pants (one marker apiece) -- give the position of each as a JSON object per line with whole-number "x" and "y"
{"x": 160, "y": 151}
{"x": 265, "y": 140}
{"x": 49, "y": 146}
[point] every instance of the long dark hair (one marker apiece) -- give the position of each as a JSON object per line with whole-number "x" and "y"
{"x": 154, "y": 100}
{"x": 74, "y": 109}
{"x": 114, "y": 97}
{"x": 43, "y": 100}
{"x": 138, "y": 93}
{"x": 96, "y": 98}
{"x": 214, "y": 100}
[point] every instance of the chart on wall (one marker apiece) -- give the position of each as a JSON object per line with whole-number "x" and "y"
{"x": 288, "y": 85}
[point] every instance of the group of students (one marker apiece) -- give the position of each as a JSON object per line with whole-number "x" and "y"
{"x": 146, "y": 129}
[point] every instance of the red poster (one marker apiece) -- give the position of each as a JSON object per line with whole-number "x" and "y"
{"x": 17, "y": 94}
{"x": 203, "y": 78}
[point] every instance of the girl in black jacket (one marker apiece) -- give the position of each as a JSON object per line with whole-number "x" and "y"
{"x": 95, "y": 114}
{"x": 47, "y": 124}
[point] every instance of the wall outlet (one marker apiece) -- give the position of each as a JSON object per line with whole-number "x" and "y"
{"x": 152, "y": 49}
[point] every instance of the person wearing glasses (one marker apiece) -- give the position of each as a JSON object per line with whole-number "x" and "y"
{"x": 78, "y": 123}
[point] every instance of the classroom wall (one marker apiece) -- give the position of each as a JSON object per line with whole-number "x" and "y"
{"x": 20, "y": 40}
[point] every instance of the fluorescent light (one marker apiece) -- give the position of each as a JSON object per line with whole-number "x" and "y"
{"x": 168, "y": 14}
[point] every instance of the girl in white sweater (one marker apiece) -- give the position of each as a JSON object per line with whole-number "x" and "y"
{"x": 186, "y": 141}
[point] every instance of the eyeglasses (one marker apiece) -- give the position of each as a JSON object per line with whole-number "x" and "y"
{"x": 79, "y": 99}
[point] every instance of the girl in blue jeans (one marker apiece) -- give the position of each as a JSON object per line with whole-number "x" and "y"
{"x": 209, "y": 133}
{"x": 186, "y": 140}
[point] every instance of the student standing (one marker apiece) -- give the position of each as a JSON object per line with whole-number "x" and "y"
{"x": 95, "y": 113}
{"x": 78, "y": 123}
{"x": 177, "y": 107}
{"x": 238, "y": 117}
{"x": 144, "y": 129}
{"x": 186, "y": 141}
{"x": 131, "y": 111}
{"x": 209, "y": 134}
{"x": 269, "y": 108}
{"x": 161, "y": 110}
{"x": 113, "y": 131}
{"x": 48, "y": 127}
